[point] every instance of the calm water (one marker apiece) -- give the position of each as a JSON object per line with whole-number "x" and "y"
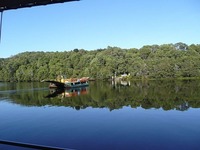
{"x": 142, "y": 115}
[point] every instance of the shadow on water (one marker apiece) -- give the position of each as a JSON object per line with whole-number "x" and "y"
{"x": 165, "y": 94}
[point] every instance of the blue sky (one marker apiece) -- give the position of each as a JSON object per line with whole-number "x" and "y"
{"x": 94, "y": 24}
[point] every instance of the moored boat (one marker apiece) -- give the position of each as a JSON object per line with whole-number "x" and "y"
{"x": 68, "y": 83}
{"x": 74, "y": 84}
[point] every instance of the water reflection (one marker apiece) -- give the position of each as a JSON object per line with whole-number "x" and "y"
{"x": 121, "y": 82}
{"x": 167, "y": 95}
{"x": 63, "y": 93}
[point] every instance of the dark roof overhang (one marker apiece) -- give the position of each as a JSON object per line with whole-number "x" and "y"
{"x": 15, "y": 4}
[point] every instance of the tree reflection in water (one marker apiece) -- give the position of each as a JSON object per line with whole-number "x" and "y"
{"x": 164, "y": 94}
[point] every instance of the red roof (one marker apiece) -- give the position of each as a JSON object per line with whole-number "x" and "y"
{"x": 14, "y": 4}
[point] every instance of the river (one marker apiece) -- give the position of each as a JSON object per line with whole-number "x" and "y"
{"x": 134, "y": 115}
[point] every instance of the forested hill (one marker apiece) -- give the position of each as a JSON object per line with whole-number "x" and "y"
{"x": 149, "y": 62}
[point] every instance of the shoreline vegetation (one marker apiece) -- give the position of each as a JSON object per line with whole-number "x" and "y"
{"x": 151, "y": 62}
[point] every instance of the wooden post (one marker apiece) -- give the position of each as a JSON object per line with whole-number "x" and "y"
{"x": 1, "y": 24}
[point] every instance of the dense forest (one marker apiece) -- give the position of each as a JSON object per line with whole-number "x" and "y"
{"x": 149, "y": 62}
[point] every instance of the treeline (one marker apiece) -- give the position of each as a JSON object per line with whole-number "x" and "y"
{"x": 149, "y": 62}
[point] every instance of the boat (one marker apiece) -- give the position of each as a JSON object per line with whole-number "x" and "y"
{"x": 75, "y": 84}
{"x": 68, "y": 83}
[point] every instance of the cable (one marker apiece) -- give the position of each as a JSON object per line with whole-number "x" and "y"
{"x": 1, "y": 24}
{"x": 31, "y": 146}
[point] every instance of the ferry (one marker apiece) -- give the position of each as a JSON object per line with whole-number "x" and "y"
{"x": 68, "y": 83}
